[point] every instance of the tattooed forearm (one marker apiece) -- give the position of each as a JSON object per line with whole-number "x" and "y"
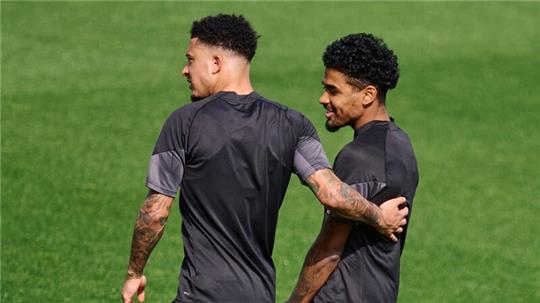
{"x": 368, "y": 211}
{"x": 148, "y": 229}
{"x": 342, "y": 199}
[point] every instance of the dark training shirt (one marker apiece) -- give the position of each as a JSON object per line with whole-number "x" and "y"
{"x": 232, "y": 156}
{"x": 380, "y": 164}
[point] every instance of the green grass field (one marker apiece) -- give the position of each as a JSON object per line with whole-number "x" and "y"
{"x": 87, "y": 86}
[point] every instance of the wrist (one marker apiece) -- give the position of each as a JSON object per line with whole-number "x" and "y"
{"x": 379, "y": 220}
{"x": 131, "y": 274}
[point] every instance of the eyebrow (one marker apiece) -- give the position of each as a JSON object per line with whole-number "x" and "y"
{"x": 329, "y": 86}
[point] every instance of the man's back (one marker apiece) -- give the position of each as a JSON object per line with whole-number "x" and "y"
{"x": 379, "y": 163}
{"x": 239, "y": 153}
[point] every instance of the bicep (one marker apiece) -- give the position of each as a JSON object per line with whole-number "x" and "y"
{"x": 309, "y": 155}
{"x": 166, "y": 171}
{"x": 167, "y": 163}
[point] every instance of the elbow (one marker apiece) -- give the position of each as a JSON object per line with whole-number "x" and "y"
{"x": 333, "y": 258}
{"x": 329, "y": 198}
{"x": 159, "y": 221}
{"x": 325, "y": 256}
{"x": 152, "y": 219}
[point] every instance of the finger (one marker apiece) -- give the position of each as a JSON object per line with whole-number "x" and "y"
{"x": 126, "y": 299}
{"x": 398, "y": 201}
{"x": 393, "y": 238}
{"x": 401, "y": 200}
{"x": 140, "y": 290}
{"x": 404, "y": 212}
{"x": 140, "y": 293}
{"x": 403, "y": 222}
{"x": 399, "y": 230}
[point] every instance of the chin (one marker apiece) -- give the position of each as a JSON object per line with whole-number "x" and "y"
{"x": 332, "y": 128}
{"x": 198, "y": 96}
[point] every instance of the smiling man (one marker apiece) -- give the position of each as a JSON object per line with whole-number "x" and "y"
{"x": 379, "y": 163}
{"x": 232, "y": 154}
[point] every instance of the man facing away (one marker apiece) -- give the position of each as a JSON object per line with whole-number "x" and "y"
{"x": 379, "y": 163}
{"x": 232, "y": 154}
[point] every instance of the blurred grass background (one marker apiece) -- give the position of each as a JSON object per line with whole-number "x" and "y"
{"x": 85, "y": 88}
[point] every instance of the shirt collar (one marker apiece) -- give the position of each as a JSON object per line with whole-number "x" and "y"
{"x": 234, "y": 97}
{"x": 364, "y": 128}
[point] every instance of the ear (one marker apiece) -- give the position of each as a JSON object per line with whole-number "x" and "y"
{"x": 217, "y": 64}
{"x": 370, "y": 95}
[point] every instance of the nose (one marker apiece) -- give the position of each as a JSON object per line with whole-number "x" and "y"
{"x": 185, "y": 71}
{"x": 324, "y": 98}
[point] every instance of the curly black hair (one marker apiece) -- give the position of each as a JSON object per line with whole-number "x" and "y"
{"x": 365, "y": 60}
{"x": 228, "y": 31}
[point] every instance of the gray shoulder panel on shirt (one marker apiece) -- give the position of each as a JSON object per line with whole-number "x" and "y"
{"x": 165, "y": 172}
{"x": 309, "y": 157}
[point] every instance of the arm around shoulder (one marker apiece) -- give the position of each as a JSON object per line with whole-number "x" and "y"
{"x": 341, "y": 198}
{"x": 348, "y": 203}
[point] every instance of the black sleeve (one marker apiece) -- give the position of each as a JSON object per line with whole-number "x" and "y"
{"x": 166, "y": 167}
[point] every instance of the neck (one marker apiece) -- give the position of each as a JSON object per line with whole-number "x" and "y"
{"x": 235, "y": 80}
{"x": 379, "y": 114}
{"x": 240, "y": 88}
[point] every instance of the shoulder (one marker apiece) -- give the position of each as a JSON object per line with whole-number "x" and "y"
{"x": 399, "y": 147}
{"x": 191, "y": 109}
{"x": 275, "y": 104}
{"x": 293, "y": 116}
{"x": 359, "y": 154}
{"x": 183, "y": 117}
{"x": 367, "y": 151}
{"x": 290, "y": 113}
{"x": 367, "y": 145}
{"x": 295, "y": 119}
{"x": 396, "y": 133}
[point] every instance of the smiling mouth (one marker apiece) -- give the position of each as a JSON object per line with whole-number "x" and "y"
{"x": 328, "y": 112}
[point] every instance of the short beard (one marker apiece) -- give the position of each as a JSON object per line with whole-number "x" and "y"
{"x": 196, "y": 98}
{"x": 331, "y": 128}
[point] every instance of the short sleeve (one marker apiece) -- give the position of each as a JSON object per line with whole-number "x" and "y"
{"x": 166, "y": 167}
{"x": 309, "y": 155}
